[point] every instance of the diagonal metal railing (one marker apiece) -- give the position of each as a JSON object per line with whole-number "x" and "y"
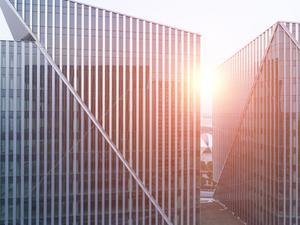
{"x": 256, "y": 80}
{"x": 248, "y": 100}
{"x": 291, "y": 36}
{"x": 297, "y": 44}
{"x": 11, "y": 15}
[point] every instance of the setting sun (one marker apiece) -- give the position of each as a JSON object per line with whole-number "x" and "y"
{"x": 206, "y": 87}
{"x": 203, "y": 84}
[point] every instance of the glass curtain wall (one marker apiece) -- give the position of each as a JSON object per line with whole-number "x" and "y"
{"x": 135, "y": 78}
{"x": 259, "y": 181}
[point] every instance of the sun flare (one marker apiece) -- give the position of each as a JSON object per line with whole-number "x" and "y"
{"x": 206, "y": 84}
{"x": 203, "y": 84}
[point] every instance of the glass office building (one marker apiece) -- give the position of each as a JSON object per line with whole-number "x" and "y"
{"x": 98, "y": 120}
{"x": 256, "y": 127}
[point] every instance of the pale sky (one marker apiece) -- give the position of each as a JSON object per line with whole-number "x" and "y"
{"x": 225, "y": 25}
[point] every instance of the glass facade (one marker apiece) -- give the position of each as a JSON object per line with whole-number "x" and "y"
{"x": 235, "y": 80}
{"x": 258, "y": 158}
{"x": 91, "y": 69}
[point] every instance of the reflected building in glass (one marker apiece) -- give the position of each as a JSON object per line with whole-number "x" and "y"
{"x": 256, "y": 128}
{"x": 99, "y": 122}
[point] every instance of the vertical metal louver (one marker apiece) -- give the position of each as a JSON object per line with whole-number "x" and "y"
{"x": 106, "y": 115}
{"x": 261, "y": 167}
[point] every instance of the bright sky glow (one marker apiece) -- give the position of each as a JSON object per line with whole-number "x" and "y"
{"x": 225, "y": 25}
